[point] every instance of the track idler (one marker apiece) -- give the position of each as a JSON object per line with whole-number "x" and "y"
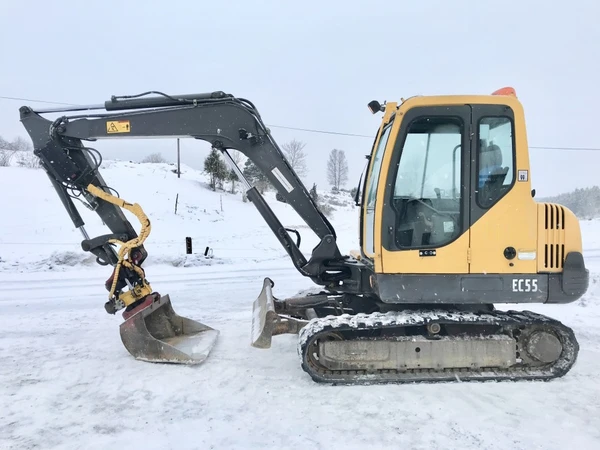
{"x": 153, "y": 332}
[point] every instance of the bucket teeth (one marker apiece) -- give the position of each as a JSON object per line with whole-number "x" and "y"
{"x": 155, "y": 333}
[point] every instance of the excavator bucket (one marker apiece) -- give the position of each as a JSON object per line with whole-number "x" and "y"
{"x": 153, "y": 332}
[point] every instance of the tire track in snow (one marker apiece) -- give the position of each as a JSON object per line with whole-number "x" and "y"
{"x": 194, "y": 278}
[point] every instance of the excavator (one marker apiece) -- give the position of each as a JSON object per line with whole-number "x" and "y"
{"x": 449, "y": 229}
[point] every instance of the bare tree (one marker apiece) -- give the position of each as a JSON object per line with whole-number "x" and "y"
{"x": 294, "y": 152}
{"x": 21, "y": 145}
{"x": 337, "y": 169}
{"x": 154, "y": 158}
{"x": 6, "y": 152}
{"x": 5, "y": 156}
{"x": 21, "y": 149}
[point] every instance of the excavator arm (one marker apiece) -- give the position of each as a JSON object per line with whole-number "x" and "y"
{"x": 224, "y": 121}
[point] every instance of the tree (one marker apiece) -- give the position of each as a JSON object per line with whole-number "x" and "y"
{"x": 313, "y": 192}
{"x": 6, "y": 152}
{"x": 154, "y": 158}
{"x": 21, "y": 145}
{"x": 255, "y": 177}
{"x": 5, "y": 156}
{"x": 232, "y": 176}
{"x": 21, "y": 149}
{"x": 337, "y": 169}
{"x": 294, "y": 153}
{"x": 216, "y": 168}
{"x": 237, "y": 159}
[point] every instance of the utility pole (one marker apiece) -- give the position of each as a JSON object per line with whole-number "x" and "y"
{"x": 178, "y": 161}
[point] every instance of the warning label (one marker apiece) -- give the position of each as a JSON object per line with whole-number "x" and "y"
{"x": 523, "y": 175}
{"x": 118, "y": 126}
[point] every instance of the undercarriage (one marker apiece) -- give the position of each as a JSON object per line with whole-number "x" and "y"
{"x": 348, "y": 339}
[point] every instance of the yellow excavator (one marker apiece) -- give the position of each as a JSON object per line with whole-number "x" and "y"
{"x": 448, "y": 229}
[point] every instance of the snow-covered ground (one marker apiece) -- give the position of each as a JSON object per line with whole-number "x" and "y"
{"x": 67, "y": 382}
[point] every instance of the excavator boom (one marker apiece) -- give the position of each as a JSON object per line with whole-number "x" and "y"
{"x": 220, "y": 119}
{"x": 226, "y": 122}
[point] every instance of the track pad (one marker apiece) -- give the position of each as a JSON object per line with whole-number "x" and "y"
{"x": 155, "y": 333}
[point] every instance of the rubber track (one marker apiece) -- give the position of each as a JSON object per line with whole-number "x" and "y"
{"x": 321, "y": 326}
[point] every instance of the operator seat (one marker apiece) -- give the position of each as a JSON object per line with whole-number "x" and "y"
{"x": 491, "y": 175}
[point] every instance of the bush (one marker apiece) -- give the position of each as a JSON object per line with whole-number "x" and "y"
{"x": 326, "y": 209}
{"x": 154, "y": 158}
{"x": 28, "y": 160}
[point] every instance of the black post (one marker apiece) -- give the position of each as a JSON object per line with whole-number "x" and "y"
{"x": 188, "y": 245}
{"x": 178, "y": 161}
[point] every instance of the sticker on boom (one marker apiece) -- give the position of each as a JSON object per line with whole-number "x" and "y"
{"x": 117, "y": 126}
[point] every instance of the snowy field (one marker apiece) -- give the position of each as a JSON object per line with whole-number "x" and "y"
{"x": 66, "y": 382}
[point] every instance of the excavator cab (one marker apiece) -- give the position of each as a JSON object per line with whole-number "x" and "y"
{"x": 448, "y": 206}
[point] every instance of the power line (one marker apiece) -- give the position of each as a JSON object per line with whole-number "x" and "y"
{"x": 36, "y": 101}
{"x": 272, "y": 126}
{"x": 308, "y": 130}
{"x": 591, "y": 149}
{"x": 322, "y": 131}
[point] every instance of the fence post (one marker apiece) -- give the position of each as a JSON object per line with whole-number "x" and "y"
{"x": 178, "y": 161}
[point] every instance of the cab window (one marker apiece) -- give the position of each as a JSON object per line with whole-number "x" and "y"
{"x": 371, "y": 191}
{"x": 495, "y": 159}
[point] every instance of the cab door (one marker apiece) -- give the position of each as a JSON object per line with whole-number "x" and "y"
{"x": 424, "y": 193}
{"x": 503, "y": 212}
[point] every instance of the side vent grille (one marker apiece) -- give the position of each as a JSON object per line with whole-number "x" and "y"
{"x": 554, "y": 254}
{"x": 555, "y": 217}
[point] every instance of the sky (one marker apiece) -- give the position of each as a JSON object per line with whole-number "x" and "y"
{"x": 315, "y": 65}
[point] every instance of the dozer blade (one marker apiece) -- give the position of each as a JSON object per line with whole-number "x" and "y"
{"x": 153, "y": 332}
{"x": 264, "y": 317}
{"x": 267, "y": 321}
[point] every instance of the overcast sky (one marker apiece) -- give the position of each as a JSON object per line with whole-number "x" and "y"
{"x": 316, "y": 64}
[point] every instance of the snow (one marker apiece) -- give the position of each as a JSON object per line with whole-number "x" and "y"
{"x": 66, "y": 381}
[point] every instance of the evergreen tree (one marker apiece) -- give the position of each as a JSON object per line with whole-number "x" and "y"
{"x": 216, "y": 168}
{"x": 232, "y": 176}
{"x": 255, "y": 177}
{"x": 313, "y": 192}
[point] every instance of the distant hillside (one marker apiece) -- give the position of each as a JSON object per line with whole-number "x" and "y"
{"x": 42, "y": 237}
{"x": 585, "y": 203}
